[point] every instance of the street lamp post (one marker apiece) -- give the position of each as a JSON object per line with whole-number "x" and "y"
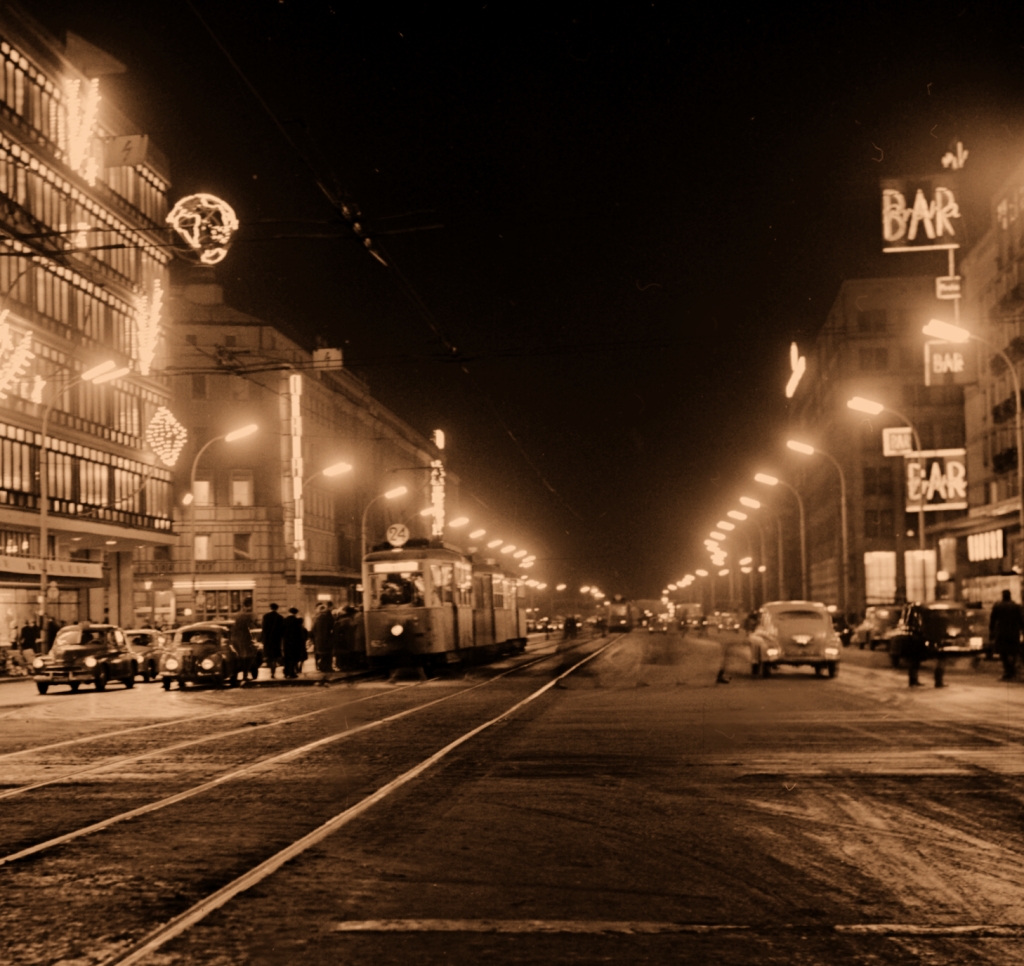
{"x": 938, "y": 329}
{"x": 227, "y": 438}
{"x": 775, "y": 481}
{"x": 389, "y": 495}
{"x": 97, "y": 375}
{"x": 845, "y": 571}
{"x": 335, "y": 469}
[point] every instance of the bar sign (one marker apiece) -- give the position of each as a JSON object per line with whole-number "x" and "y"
{"x": 947, "y": 287}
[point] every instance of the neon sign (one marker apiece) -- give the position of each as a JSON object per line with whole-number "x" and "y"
{"x": 925, "y": 224}
{"x": 206, "y": 224}
{"x": 81, "y": 107}
{"x": 437, "y": 496}
{"x": 147, "y": 326}
{"x": 798, "y": 364}
{"x": 295, "y": 403}
{"x": 166, "y": 436}
{"x": 16, "y": 355}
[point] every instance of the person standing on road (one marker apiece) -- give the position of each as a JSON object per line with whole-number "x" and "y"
{"x": 273, "y": 634}
{"x": 323, "y": 627}
{"x": 342, "y": 636}
{"x": 293, "y": 636}
{"x": 241, "y": 639}
{"x": 1004, "y": 631}
{"x": 29, "y": 636}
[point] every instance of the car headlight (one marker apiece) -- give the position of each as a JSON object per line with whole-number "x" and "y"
{"x": 207, "y": 664}
{"x": 38, "y": 662}
{"x": 397, "y": 630}
{"x": 90, "y": 661}
{"x": 977, "y": 643}
{"x": 171, "y": 664}
{"x": 773, "y": 652}
{"x": 831, "y": 651}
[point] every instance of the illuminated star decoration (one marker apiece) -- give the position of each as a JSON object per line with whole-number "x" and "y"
{"x": 206, "y": 224}
{"x": 15, "y": 357}
{"x": 147, "y": 326}
{"x": 81, "y": 107}
{"x": 166, "y": 436}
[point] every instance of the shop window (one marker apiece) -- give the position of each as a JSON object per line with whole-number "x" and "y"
{"x": 880, "y": 576}
{"x": 241, "y": 488}
{"x": 204, "y": 546}
{"x": 243, "y": 546}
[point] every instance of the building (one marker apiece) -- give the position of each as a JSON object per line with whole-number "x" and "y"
{"x": 237, "y": 538}
{"x": 871, "y": 346}
{"x": 83, "y": 197}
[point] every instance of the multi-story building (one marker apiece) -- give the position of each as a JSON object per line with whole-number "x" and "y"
{"x": 871, "y": 346}
{"x": 237, "y": 538}
{"x": 82, "y": 204}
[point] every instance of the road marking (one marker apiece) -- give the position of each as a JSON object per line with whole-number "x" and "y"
{"x": 176, "y": 926}
{"x": 577, "y": 926}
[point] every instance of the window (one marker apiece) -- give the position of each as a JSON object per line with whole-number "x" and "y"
{"x": 243, "y": 546}
{"x": 874, "y": 360}
{"x": 202, "y": 495}
{"x": 198, "y": 385}
{"x": 241, "y": 488}
{"x": 162, "y": 551}
{"x": 880, "y": 577}
{"x": 204, "y": 546}
{"x": 872, "y": 320}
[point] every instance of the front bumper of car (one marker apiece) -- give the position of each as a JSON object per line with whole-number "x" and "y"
{"x": 796, "y": 656}
{"x": 64, "y": 675}
{"x": 960, "y": 646}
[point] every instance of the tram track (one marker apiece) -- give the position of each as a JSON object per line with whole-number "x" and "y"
{"x": 235, "y": 773}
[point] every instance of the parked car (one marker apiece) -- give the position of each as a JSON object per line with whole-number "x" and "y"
{"x": 794, "y": 632}
{"x": 204, "y": 653}
{"x": 146, "y": 644}
{"x": 86, "y": 654}
{"x": 939, "y": 629}
{"x": 877, "y": 623}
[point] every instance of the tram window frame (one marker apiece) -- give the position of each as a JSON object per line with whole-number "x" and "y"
{"x": 499, "y": 591}
{"x": 404, "y": 579}
{"x": 442, "y": 576}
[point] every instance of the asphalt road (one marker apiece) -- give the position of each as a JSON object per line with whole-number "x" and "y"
{"x": 634, "y": 812}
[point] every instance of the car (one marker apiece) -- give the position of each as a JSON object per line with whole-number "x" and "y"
{"x": 146, "y": 643}
{"x": 878, "y": 621}
{"x": 657, "y": 626}
{"x": 204, "y": 653}
{"x": 938, "y": 629}
{"x": 86, "y": 653}
{"x": 794, "y": 632}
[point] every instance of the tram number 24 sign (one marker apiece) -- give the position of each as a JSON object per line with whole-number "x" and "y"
{"x": 944, "y": 480}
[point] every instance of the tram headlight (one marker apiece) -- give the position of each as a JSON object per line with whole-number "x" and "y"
{"x": 171, "y": 664}
{"x": 397, "y": 630}
{"x": 207, "y": 664}
{"x": 773, "y": 652}
{"x": 38, "y": 662}
{"x": 90, "y": 661}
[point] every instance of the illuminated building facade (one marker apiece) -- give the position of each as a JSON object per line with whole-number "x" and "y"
{"x": 239, "y": 537}
{"x": 82, "y": 203}
{"x": 871, "y": 346}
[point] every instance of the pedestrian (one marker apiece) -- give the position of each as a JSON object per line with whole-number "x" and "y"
{"x": 273, "y": 633}
{"x": 241, "y": 640}
{"x": 358, "y": 637}
{"x": 28, "y": 637}
{"x": 322, "y": 628}
{"x": 730, "y": 645}
{"x": 343, "y": 639}
{"x": 294, "y": 636}
{"x": 569, "y": 629}
{"x": 1004, "y": 630}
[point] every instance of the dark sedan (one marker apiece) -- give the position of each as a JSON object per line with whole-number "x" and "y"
{"x": 208, "y": 653}
{"x": 933, "y": 630}
{"x": 86, "y": 654}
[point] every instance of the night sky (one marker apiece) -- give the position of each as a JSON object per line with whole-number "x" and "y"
{"x": 642, "y": 206}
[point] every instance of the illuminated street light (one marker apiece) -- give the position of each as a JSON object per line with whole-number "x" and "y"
{"x": 746, "y": 560}
{"x": 495, "y": 543}
{"x": 427, "y": 511}
{"x": 241, "y": 433}
{"x": 798, "y": 447}
{"x": 724, "y": 572}
{"x": 701, "y": 573}
{"x": 750, "y": 502}
{"x": 459, "y": 522}
{"x": 336, "y": 469}
{"x": 585, "y": 589}
{"x": 863, "y": 405}
{"x": 766, "y": 479}
{"x": 519, "y": 554}
{"x": 560, "y": 587}
{"x": 508, "y": 548}
{"x": 737, "y": 515}
{"x": 477, "y": 534}
{"x": 396, "y": 492}
{"x": 717, "y": 536}
{"x": 946, "y": 332}
{"x": 672, "y": 587}
{"x": 725, "y": 525}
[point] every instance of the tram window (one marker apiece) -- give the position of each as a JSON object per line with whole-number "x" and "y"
{"x": 389, "y": 590}
{"x": 499, "y": 590}
{"x": 464, "y": 585}
{"x": 441, "y": 584}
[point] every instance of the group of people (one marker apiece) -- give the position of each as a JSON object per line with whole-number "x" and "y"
{"x": 337, "y": 639}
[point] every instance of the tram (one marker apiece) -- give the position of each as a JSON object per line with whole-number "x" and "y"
{"x": 426, "y": 605}
{"x": 622, "y": 614}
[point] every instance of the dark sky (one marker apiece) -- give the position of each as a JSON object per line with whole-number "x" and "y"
{"x": 642, "y": 206}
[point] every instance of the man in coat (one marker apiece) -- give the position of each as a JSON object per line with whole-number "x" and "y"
{"x": 294, "y": 636}
{"x": 273, "y": 633}
{"x": 1004, "y": 630}
{"x": 323, "y": 628}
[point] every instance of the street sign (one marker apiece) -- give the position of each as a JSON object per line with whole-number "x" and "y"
{"x": 398, "y": 534}
{"x": 897, "y": 441}
{"x": 950, "y": 363}
{"x": 947, "y": 287}
{"x": 944, "y": 480}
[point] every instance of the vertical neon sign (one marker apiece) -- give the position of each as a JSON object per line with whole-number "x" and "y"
{"x": 295, "y": 401}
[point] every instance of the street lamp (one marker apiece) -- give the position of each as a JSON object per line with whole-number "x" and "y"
{"x": 231, "y": 437}
{"x": 769, "y": 480}
{"x": 335, "y": 469}
{"x": 938, "y": 329}
{"x": 809, "y": 450}
{"x": 389, "y": 495}
{"x": 872, "y": 408}
{"x": 97, "y": 375}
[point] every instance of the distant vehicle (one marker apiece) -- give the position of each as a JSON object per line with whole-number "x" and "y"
{"x": 794, "y": 632}
{"x": 657, "y": 625}
{"x": 878, "y": 621}
{"x": 725, "y": 620}
{"x": 933, "y": 630}
{"x": 86, "y": 654}
{"x": 622, "y": 615}
{"x": 146, "y": 645}
{"x": 204, "y": 653}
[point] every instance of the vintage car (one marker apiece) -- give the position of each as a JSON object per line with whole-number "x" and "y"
{"x": 794, "y": 632}
{"x": 86, "y": 653}
{"x": 938, "y": 629}
{"x": 204, "y": 653}
{"x": 146, "y": 644}
{"x": 875, "y": 627}
{"x": 657, "y": 625}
